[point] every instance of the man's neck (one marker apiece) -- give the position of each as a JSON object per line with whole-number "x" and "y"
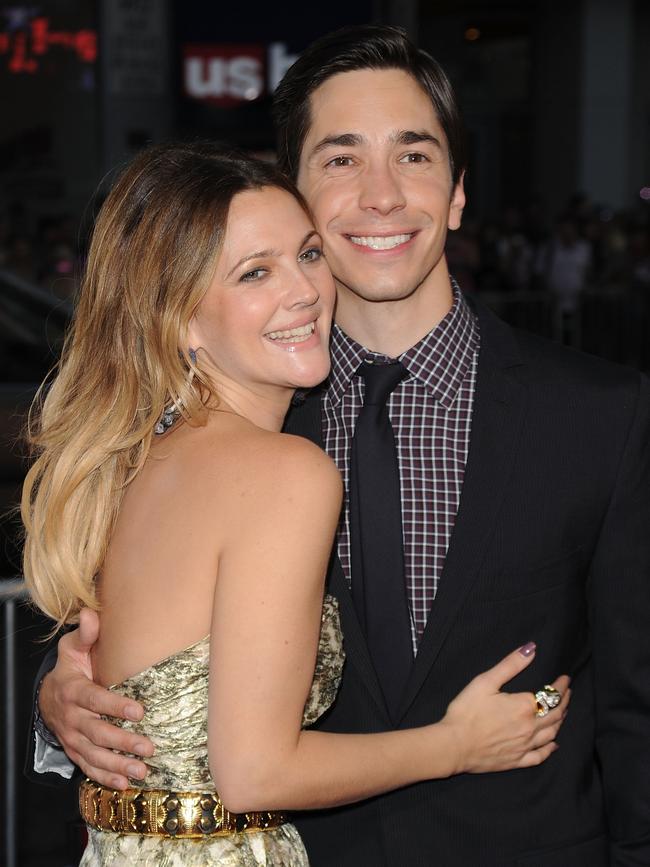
{"x": 392, "y": 327}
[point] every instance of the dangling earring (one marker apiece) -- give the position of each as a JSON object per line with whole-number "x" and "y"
{"x": 171, "y": 412}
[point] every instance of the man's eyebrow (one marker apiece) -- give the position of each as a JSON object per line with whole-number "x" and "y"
{"x": 351, "y": 139}
{"x": 410, "y": 136}
{"x": 344, "y": 140}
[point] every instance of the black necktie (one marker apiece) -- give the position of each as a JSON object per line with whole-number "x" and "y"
{"x": 377, "y": 556}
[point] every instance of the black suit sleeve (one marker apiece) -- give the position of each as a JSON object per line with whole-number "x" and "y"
{"x": 620, "y": 618}
{"x": 50, "y": 778}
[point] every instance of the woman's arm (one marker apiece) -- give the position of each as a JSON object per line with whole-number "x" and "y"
{"x": 266, "y": 620}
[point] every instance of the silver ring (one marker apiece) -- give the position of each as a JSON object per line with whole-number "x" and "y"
{"x": 546, "y": 699}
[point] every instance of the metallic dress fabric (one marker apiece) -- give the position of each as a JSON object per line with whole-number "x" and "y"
{"x": 174, "y": 693}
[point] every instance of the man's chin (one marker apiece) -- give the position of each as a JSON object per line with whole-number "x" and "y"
{"x": 376, "y": 293}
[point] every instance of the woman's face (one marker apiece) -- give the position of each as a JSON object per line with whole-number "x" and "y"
{"x": 264, "y": 321}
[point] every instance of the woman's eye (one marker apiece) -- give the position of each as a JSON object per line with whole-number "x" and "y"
{"x": 311, "y": 255}
{"x": 250, "y": 276}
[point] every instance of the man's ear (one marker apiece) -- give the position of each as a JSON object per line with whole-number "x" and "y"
{"x": 457, "y": 204}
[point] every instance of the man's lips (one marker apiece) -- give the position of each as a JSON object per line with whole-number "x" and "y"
{"x": 381, "y": 242}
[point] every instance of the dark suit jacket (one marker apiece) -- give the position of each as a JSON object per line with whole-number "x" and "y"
{"x": 551, "y": 544}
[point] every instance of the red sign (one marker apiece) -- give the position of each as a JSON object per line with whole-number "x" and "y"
{"x": 27, "y": 46}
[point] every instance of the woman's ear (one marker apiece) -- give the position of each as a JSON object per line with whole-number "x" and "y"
{"x": 192, "y": 337}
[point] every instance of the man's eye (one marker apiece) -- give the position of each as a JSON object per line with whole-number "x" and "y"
{"x": 414, "y": 158}
{"x": 340, "y": 161}
{"x": 310, "y": 255}
{"x": 250, "y": 276}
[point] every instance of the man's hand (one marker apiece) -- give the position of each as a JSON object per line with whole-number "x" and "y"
{"x": 71, "y": 704}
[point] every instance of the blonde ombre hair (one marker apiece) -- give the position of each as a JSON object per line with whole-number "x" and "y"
{"x": 152, "y": 256}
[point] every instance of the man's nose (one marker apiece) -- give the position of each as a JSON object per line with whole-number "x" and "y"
{"x": 381, "y": 190}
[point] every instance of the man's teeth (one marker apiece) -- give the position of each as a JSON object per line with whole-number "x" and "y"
{"x": 379, "y": 242}
{"x": 293, "y": 335}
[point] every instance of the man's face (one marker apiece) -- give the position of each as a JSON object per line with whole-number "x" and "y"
{"x": 375, "y": 170}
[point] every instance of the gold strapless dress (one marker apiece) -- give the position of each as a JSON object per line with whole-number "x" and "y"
{"x": 174, "y": 693}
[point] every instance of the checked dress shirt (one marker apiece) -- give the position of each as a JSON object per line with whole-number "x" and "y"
{"x": 431, "y": 415}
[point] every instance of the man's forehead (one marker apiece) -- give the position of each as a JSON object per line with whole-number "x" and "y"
{"x": 348, "y": 101}
{"x": 362, "y": 83}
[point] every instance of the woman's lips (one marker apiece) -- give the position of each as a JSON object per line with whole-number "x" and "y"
{"x": 296, "y": 338}
{"x": 293, "y": 335}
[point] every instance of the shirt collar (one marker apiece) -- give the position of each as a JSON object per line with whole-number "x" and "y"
{"x": 440, "y": 360}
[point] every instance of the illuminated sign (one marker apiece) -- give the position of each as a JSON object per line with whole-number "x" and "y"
{"x": 27, "y": 40}
{"x": 226, "y": 75}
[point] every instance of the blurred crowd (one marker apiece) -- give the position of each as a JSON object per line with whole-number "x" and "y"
{"x": 586, "y": 246}
{"x": 45, "y": 253}
{"x": 582, "y": 277}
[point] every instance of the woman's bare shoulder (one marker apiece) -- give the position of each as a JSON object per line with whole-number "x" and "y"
{"x": 277, "y": 462}
{"x": 236, "y": 456}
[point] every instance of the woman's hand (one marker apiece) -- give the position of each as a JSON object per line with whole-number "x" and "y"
{"x": 498, "y": 731}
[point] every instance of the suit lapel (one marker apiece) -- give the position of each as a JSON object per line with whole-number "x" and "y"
{"x": 499, "y": 410}
{"x": 304, "y": 419}
{"x": 354, "y": 641}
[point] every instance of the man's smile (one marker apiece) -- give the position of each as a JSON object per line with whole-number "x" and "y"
{"x": 381, "y": 242}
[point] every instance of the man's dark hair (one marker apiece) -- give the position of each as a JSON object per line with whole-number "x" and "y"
{"x": 369, "y": 46}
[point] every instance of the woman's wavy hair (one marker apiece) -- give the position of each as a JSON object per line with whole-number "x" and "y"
{"x": 151, "y": 258}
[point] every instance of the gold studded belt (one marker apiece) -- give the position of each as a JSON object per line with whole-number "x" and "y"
{"x": 155, "y": 812}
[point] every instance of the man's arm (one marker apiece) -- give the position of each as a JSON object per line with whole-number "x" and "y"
{"x": 45, "y": 763}
{"x": 71, "y": 706}
{"x": 620, "y": 618}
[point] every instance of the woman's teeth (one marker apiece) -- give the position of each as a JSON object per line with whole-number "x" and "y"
{"x": 293, "y": 335}
{"x": 379, "y": 242}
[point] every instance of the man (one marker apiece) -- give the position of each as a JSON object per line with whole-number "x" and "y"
{"x": 524, "y": 476}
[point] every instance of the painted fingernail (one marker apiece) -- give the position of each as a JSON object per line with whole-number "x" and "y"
{"x": 136, "y": 771}
{"x": 132, "y": 712}
{"x": 528, "y": 649}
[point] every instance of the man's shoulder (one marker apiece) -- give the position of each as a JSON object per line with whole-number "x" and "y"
{"x": 553, "y": 361}
{"x": 546, "y": 361}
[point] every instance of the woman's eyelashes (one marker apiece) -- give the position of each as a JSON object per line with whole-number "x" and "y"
{"x": 313, "y": 254}
{"x": 251, "y": 276}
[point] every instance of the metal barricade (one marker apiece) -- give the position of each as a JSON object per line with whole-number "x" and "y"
{"x": 11, "y": 590}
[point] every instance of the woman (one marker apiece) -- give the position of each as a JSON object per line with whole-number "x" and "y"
{"x": 165, "y": 492}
